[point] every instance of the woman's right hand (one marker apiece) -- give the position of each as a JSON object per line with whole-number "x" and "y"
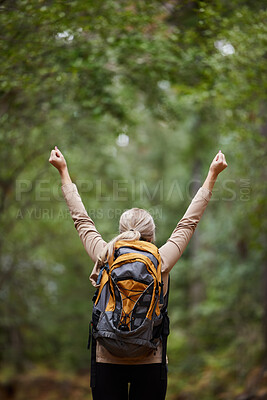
{"x": 57, "y": 159}
{"x": 218, "y": 164}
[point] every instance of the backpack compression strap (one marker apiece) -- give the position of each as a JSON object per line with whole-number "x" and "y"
{"x": 165, "y": 331}
{"x": 93, "y": 363}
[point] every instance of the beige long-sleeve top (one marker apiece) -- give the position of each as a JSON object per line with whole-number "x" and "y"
{"x": 170, "y": 252}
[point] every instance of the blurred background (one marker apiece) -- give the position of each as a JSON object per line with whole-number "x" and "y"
{"x": 139, "y": 96}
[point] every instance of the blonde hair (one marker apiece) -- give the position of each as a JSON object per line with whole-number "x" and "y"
{"x": 135, "y": 224}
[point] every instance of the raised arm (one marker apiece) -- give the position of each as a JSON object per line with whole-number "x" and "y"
{"x": 172, "y": 250}
{"x": 90, "y": 237}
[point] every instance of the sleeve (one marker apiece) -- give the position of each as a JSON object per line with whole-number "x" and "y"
{"x": 172, "y": 250}
{"x": 90, "y": 237}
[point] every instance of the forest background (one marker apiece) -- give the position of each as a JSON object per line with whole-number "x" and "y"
{"x": 139, "y": 96}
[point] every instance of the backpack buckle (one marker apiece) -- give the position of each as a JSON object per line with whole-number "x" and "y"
{"x": 105, "y": 267}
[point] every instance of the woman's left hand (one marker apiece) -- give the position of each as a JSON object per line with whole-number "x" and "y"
{"x": 57, "y": 159}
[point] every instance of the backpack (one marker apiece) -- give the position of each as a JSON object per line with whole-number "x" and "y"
{"x": 130, "y": 313}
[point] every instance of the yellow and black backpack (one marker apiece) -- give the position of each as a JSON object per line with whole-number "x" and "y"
{"x": 130, "y": 313}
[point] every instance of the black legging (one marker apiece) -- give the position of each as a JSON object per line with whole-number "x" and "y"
{"x": 146, "y": 382}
